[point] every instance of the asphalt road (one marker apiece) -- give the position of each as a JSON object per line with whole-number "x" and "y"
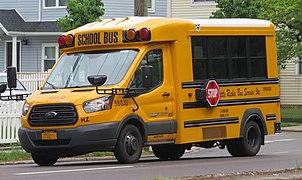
{"x": 281, "y": 151}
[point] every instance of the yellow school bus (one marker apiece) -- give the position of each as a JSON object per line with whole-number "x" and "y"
{"x": 126, "y": 83}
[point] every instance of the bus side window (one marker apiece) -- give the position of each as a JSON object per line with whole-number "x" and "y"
{"x": 152, "y": 58}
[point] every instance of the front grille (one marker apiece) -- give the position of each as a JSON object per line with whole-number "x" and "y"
{"x": 53, "y": 115}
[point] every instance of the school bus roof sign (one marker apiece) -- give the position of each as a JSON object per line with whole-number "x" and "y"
{"x": 98, "y": 38}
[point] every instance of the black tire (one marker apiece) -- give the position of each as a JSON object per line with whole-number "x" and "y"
{"x": 43, "y": 160}
{"x": 168, "y": 151}
{"x": 233, "y": 148}
{"x": 252, "y": 138}
{"x": 249, "y": 144}
{"x": 160, "y": 152}
{"x": 129, "y": 145}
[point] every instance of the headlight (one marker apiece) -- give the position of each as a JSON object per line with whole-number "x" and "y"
{"x": 100, "y": 104}
{"x": 25, "y": 109}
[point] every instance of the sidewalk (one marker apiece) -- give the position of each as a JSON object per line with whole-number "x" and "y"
{"x": 292, "y": 129}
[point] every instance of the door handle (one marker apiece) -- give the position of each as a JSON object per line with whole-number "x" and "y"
{"x": 166, "y": 94}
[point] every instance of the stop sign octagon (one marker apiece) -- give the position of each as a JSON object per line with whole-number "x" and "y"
{"x": 212, "y": 93}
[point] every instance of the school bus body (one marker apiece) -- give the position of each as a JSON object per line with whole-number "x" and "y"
{"x": 169, "y": 113}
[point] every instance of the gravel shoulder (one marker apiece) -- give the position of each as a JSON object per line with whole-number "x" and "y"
{"x": 283, "y": 174}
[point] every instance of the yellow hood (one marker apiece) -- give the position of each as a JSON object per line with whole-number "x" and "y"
{"x": 58, "y": 96}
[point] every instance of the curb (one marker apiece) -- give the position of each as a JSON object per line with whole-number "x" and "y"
{"x": 291, "y": 130}
{"x": 70, "y": 159}
{"x": 61, "y": 160}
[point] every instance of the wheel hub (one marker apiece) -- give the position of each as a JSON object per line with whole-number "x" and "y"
{"x": 251, "y": 137}
{"x": 131, "y": 144}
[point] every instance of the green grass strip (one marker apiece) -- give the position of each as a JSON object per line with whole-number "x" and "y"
{"x": 290, "y": 124}
{"x": 14, "y": 155}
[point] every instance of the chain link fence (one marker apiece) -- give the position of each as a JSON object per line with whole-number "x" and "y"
{"x": 291, "y": 113}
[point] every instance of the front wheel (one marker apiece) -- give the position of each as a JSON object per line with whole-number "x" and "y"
{"x": 129, "y": 145}
{"x": 43, "y": 160}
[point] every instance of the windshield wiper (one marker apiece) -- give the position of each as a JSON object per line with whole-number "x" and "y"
{"x": 79, "y": 86}
{"x": 53, "y": 86}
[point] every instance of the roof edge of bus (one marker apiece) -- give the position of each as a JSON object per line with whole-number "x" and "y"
{"x": 135, "y": 20}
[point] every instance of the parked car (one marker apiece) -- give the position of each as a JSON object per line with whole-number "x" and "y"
{"x": 19, "y": 93}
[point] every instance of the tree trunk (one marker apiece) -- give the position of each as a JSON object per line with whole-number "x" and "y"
{"x": 140, "y": 8}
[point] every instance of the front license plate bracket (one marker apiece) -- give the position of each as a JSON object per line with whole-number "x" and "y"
{"x": 49, "y": 135}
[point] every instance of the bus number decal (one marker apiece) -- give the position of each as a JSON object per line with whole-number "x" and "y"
{"x": 224, "y": 113}
{"x": 121, "y": 102}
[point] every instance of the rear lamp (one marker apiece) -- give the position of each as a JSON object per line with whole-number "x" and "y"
{"x": 69, "y": 39}
{"x": 144, "y": 34}
{"x": 61, "y": 40}
{"x": 130, "y": 34}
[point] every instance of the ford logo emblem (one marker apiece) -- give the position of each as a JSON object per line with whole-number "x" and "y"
{"x": 51, "y": 114}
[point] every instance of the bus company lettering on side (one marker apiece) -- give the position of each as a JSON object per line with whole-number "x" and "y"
{"x": 97, "y": 38}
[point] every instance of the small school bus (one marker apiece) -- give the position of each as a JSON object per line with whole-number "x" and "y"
{"x": 126, "y": 83}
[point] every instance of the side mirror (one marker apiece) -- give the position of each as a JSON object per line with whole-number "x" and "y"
{"x": 2, "y": 88}
{"x": 97, "y": 80}
{"x": 147, "y": 76}
{"x": 11, "y": 77}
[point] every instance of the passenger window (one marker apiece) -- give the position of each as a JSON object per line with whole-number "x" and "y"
{"x": 153, "y": 58}
{"x": 228, "y": 57}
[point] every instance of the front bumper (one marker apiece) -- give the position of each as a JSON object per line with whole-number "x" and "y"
{"x": 71, "y": 142}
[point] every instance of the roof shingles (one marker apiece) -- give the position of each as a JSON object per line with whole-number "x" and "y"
{"x": 12, "y": 21}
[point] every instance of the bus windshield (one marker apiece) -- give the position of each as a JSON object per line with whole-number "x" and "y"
{"x": 73, "y": 69}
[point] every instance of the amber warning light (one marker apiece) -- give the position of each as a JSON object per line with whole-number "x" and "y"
{"x": 66, "y": 41}
{"x": 133, "y": 35}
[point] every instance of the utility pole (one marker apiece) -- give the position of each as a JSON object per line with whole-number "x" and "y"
{"x": 140, "y": 7}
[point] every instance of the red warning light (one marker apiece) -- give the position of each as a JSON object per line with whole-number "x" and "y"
{"x": 61, "y": 40}
{"x": 144, "y": 33}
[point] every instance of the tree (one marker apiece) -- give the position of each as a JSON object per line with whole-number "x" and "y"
{"x": 81, "y": 12}
{"x": 140, "y": 8}
{"x": 285, "y": 14}
{"x": 237, "y": 8}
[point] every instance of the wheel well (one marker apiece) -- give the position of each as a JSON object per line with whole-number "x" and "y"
{"x": 254, "y": 114}
{"x": 139, "y": 125}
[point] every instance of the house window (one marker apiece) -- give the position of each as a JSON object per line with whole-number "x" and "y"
{"x": 299, "y": 65}
{"x": 55, "y": 3}
{"x": 151, "y": 5}
{"x": 203, "y": 2}
{"x": 50, "y": 53}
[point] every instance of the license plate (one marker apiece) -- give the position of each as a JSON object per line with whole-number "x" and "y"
{"x": 49, "y": 135}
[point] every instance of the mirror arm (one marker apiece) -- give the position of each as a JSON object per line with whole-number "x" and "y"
{"x": 131, "y": 96}
{"x": 127, "y": 92}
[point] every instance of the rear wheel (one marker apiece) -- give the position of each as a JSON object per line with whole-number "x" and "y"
{"x": 129, "y": 145}
{"x": 168, "y": 151}
{"x": 43, "y": 160}
{"x": 249, "y": 144}
{"x": 252, "y": 138}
